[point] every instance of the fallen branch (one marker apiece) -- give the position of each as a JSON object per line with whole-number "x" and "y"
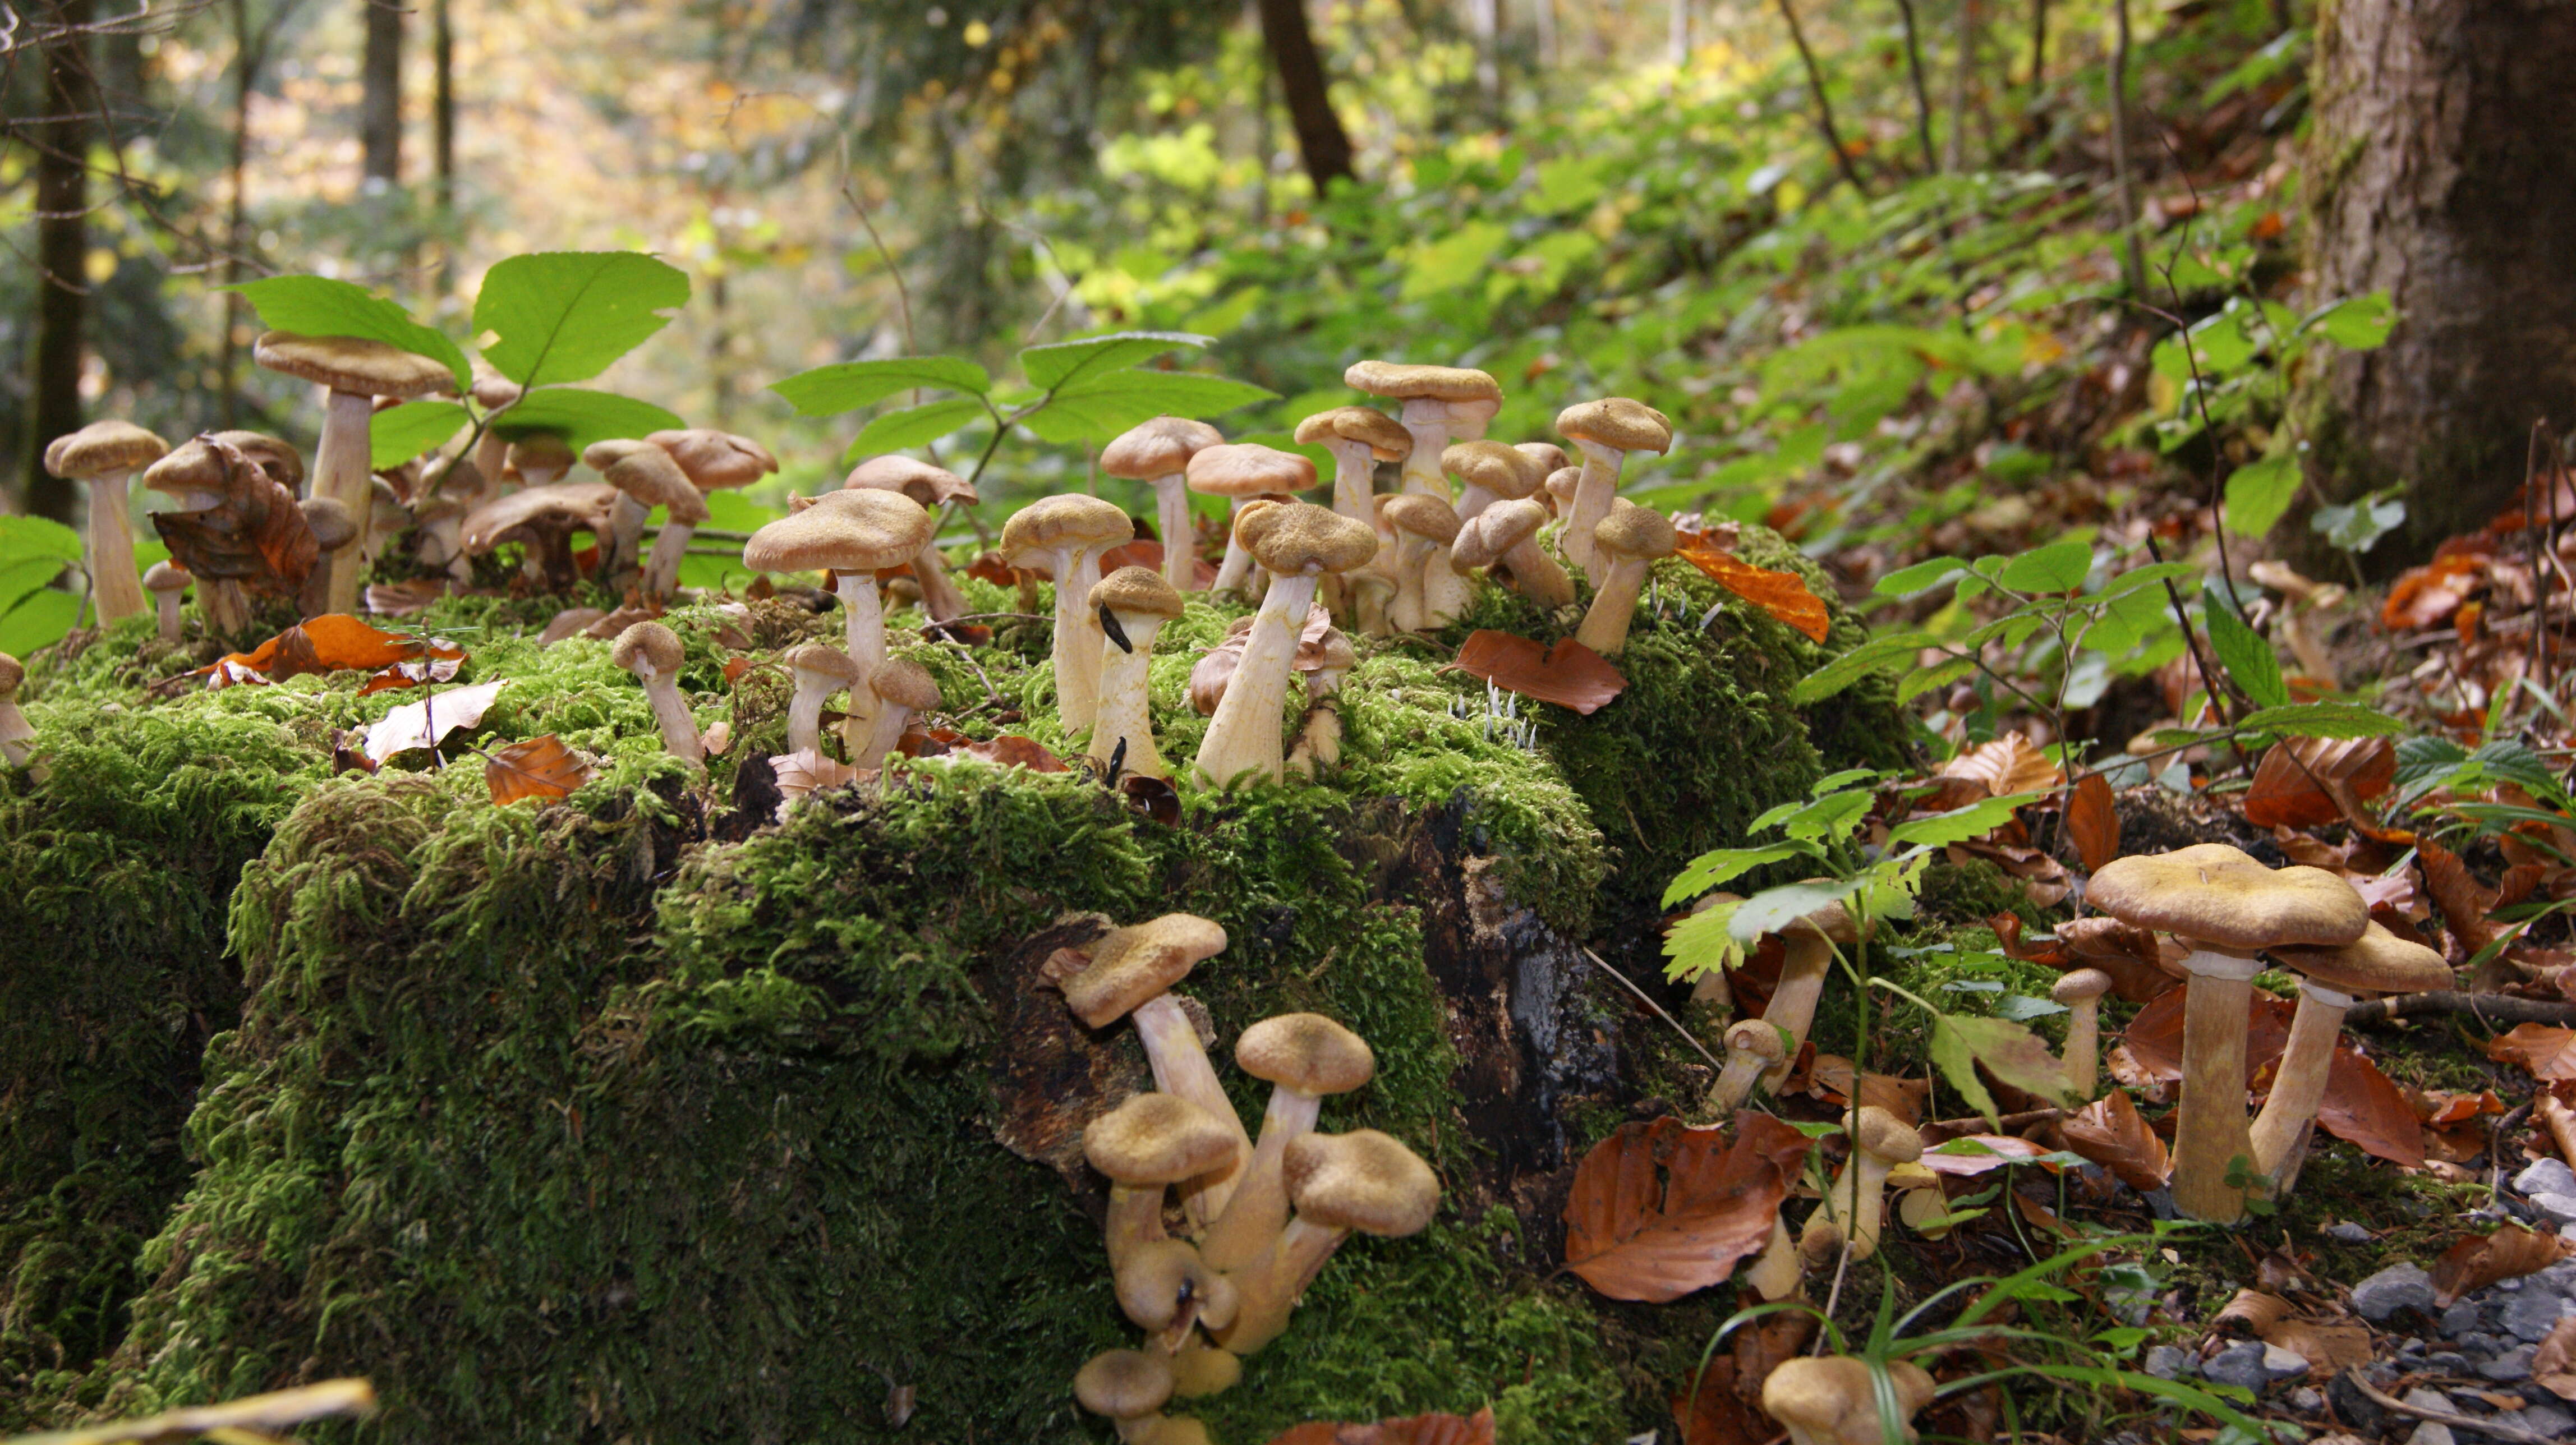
{"x": 2457, "y": 1420}
{"x": 2485, "y": 1007}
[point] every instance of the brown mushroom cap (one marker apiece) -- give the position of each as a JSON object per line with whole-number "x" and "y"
{"x": 650, "y": 643}
{"x": 1483, "y": 539}
{"x": 12, "y": 673}
{"x": 843, "y": 531}
{"x": 1249, "y": 469}
{"x": 599, "y": 456}
{"x": 1157, "y": 448}
{"x": 564, "y": 506}
{"x": 1387, "y": 439}
{"x": 1294, "y": 537}
{"x": 1615, "y": 421}
{"x": 924, "y": 483}
{"x": 284, "y": 465}
{"x": 2214, "y": 894}
{"x": 196, "y": 466}
{"x": 102, "y": 447}
{"x": 492, "y": 390}
{"x": 715, "y": 460}
{"x": 1439, "y": 383}
{"x": 1562, "y": 483}
{"x": 1832, "y": 1397}
{"x": 1072, "y": 520}
{"x": 1140, "y": 591}
{"x": 1497, "y": 468}
{"x": 905, "y": 683}
{"x": 166, "y": 576}
{"x": 1362, "y": 1181}
{"x": 2377, "y": 962}
{"x": 329, "y": 520}
{"x": 1124, "y": 1384}
{"x": 352, "y": 364}
{"x": 2086, "y": 983}
{"x": 1420, "y": 515}
{"x": 1634, "y": 531}
{"x": 822, "y": 660}
{"x": 1887, "y": 1136}
{"x": 655, "y": 478}
{"x": 1157, "y": 1138}
{"x": 1549, "y": 456}
{"x": 541, "y": 451}
{"x": 1305, "y": 1052}
{"x": 1760, "y": 1039}
{"x": 1132, "y": 964}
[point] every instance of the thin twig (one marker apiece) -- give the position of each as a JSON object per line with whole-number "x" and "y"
{"x": 1922, "y": 96}
{"x": 1824, "y": 106}
{"x": 2455, "y": 1419}
{"x": 2484, "y": 1007}
{"x": 2208, "y": 685}
{"x": 1649, "y": 1001}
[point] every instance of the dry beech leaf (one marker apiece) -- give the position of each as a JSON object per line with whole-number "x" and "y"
{"x": 2463, "y": 900}
{"x": 1568, "y": 674}
{"x": 2009, "y": 764}
{"x": 2509, "y": 1253}
{"x": 1013, "y": 751}
{"x": 2251, "y": 1311}
{"x": 2429, "y": 594}
{"x": 2329, "y": 1346}
{"x": 538, "y": 768}
{"x": 1784, "y": 595}
{"x": 329, "y": 643}
{"x": 424, "y": 723}
{"x": 2112, "y": 1133}
{"x": 2549, "y": 1052}
{"x": 2553, "y": 1365}
{"x": 1716, "y": 1410}
{"x": 1661, "y": 1209}
{"x": 1829, "y": 1077}
{"x": 405, "y": 599}
{"x": 1432, "y": 1429}
{"x": 2093, "y": 821}
{"x": 2310, "y": 782}
{"x": 2128, "y": 953}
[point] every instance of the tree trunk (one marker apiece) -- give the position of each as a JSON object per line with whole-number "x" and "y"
{"x": 62, "y": 240}
{"x": 1321, "y": 140}
{"x": 2443, "y": 172}
{"x": 442, "y": 104}
{"x": 380, "y": 97}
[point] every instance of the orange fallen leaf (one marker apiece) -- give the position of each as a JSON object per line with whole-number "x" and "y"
{"x": 2463, "y": 900}
{"x": 1431, "y": 1429}
{"x": 538, "y": 768}
{"x": 1713, "y": 1410}
{"x": 2509, "y": 1253}
{"x": 2548, "y": 1051}
{"x": 2009, "y": 764}
{"x": 2112, "y": 1133}
{"x": 1784, "y": 595}
{"x": 2093, "y": 821}
{"x": 2431, "y": 593}
{"x": 2553, "y": 1365}
{"x": 1829, "y": 1077}
{"x": 1568, "y": 674}
{"x": 2310, "y": 782}
{"x": 1661, "y": 1209}
{"x": 1012, "y": 751}
{"x": 331, "y": 643}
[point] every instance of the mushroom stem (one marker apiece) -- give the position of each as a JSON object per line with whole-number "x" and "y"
{"x": 2211, "y": 1131}
{"x": 341, "y": 471}
{"x": 2281, "y": 1131}
{"x": 2083, "y": 1045}
{"x": 805, "y": 716}
{"x": 1354, "y": 480}
{"x": 1235, "y": 572}
{"x": 1181, "y": 1068}
{"x": 1537, "y": 575}
{"x": 1259, "y": 1208}
{"x": 442, "y": 545}
{"x": 1775, "y": 1272}
{"x": 679, "y": 730}
{"x": 1806, "y": 957}
{"x": 624, "y": 540}
{"x": 863, "y": 636}
{"x": 1135, "y": 1218}
{"x": 941, "y": 599}
{"x": 662, "y": 569}
{"x": 1428, "y": 420}
{"x": 168, "y": 604}
{"x": 113, "y": 582}
{"x": 1172, "y": 520}
{"x": 1404, "y": 614}
{"x": 1124, "y": 712}
{"x": 1592, "y": 495}
{"x": 1605, "y": 623}
{"x": 1445, "y": 594}
{"x": 1753, "y": 1048}
{"x": 1243, "y": 737}
{"x": 1269, "y": 1286}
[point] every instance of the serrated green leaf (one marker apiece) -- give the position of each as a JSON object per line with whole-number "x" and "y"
{"x": 558, "y": 316}
{"x": 399, "y": 433}
{"x": 2057, "y": 567}
{"x": 37, "y": 537}
{"x": 1834, "y": 814}
{"x": 2259, "y": 493}
{"x": 1062, "y": 362}
{"x": 2152, "y": 575}
{"x": 582, "y": 416}
{"x": 2013, "y": 1054}
{"x": 1773, "y": 909}
{"x": 1940, "y": 830}
{"x": 1102, "y": 406}
{"x": 2322, "y": 720}
{"x": 1921, "y": 577}
{"x": 914, "y": 425}
{"x": 2022, "y": 1008}
{"x": 321, "y": 306}
{"x": 849, "y": 385}
{"x": 1879, "y": 654}
{"x": 40, "y": 619}
{"x": 1701, "y": 944}
{"x": 1924, "y": 679}
{"x": 1724, "y": 865}
{"x": 2241, "y": 650}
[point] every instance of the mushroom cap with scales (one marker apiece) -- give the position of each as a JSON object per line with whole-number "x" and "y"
{"x": 1832, "y": 1400}
{"x": 352, "y": 364}
{"x": 1387, "y": 439}
{"x": 1411, "y": 383}
{"x": 1363, "y": 1181}
{"x": 1482, "y": 541}
{"x": 2211, "y": 893}
{"x": 1124, "y": 1384}
{"x": 1249, "y": 469}
{"x": 716, "y": 460}
{"x": 567, "y": 506}
{"x": 1071, "y": 520}
{"x": 1561, "y": 485}
{"x": 1499, "y": 469}
{"x": 103, "y": 447}
{"x": 1157, "y": 448}
{"x": 923, "y": 482}
{"x": 599, "y": 456}
{"x": 843, "y": 532}
{"x": 1617, "y": 422}
{"x": 1131, "y": 965}
{"x": 651, "y": 644}
{"x": 823, "y": 660}
{"x": 1294, "y": 537}
{"x": 1139, "y": 592}
{"x": 2379, "y": 961}
{"x": 166, "y": 576}
{"x": 654, "y": 478}
{"x": 1881, "y": 1133}
{"x": 1421, "y": 516}
{"x": 1156, "y": 1138}
{"x": 1636, "y": 532}
{"x": 1306, "y": 1052}
{"x": 2091, "y": 983}
{"x": 329, "y": 520}
{"x": 905, "y": 683}
{"x": 541, "y": 452}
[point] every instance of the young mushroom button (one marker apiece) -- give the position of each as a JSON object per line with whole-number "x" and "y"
{"x": 2331, "y": 981}
{"x": 165, "y": 582}
{"x": 1324, "y": 664}
{"x": 1628, "y": 543}
{"x": 1506, "y": 535}
{"x": 932, "y": 487}
{"x": 1298, "y": 542}
{"x": 2225, "y": 907}
{"x": 1303, "y": 1057}
{"x": 17, "y": 736}
{"x": 1128, "y": 1386}
{"x": 356, "y": 372}
{"x": 2081, "y": 992}
{"x": 1067, "y": 534}
{"x": 1130, "y": 974}
{"x": 1833, "y": 1400}
{"x": 1134, "y": 603}
{"x": 1245, "y": 472}
{"x": 104, "y": 454}
{"x": 652, "y": 652}
{"x": 1441, "y": 404}
{"x": 1856, "y": 1204}
{"x": 1606, "y": 431}
{"x": 819, "y": 670}
{"x": 1363, "y": 1182}
{"x": 1158, "y": 453}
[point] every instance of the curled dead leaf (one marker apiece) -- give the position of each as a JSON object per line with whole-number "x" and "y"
{"x": 2548, "y": 1051}
{"x": 2112, "y": 1133}
{"x": 2478, "y": 1261}
{"x": 2310, "y": 782}
{"x": 1785, "y": 596}
{"x": 2251, "y": 1312}
{"x": 335, "y": 643}
{"x": 2093, "y": 821}
{"x": 1660, "y": 1209}
{"x": 1569, "y": 674}
{"x": 2553, "y": 1365}
{"x": 2009, "y": 764}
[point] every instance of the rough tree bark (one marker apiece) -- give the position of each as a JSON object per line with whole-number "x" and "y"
{"x": 62, "y": 241}
{"x": 442, "y": 104}
{"x": 380, "y": 92}
{"x": 2443, "y": 172}
{"x": 1321, "y": 141}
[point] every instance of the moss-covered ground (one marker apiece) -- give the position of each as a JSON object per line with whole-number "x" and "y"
{"x": 577, "y": 1120}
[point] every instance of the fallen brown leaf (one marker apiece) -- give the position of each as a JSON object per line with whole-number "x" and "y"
{"x": 2093, "y": 821}
{"x": 538, "y": 768}
{"x": 1660, "y": 1209}
{"x": 2009, "y": 764}
{"x": 1013, "y": 751}
{"x": 2509, "y": 1253}
{"x": 2329, "y": 1346}
{"x": 1829, "y": 1077}
{"x": 1433, "y": 1429}
{"x": 2553, "y": 1365}
{"x": 1569, "y": 674}
{"x": 1784, "y": 595}
{"x": 2548, "y": 1051}
{"x": 2310, "y": 782}
{"x": 1991, "y": 1151}
{"x": 332, "y": 643}
{"x": 1715, "y": 1410}
{"x": 2251, "y": 1311}
{"x": 2112, "y": 1133}
{"x": 2361, "y": 1106}
{"x": 2463, "y": 900}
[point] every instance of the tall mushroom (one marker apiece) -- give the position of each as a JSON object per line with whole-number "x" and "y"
{"x": 17, "y": 735}
{"x": 850, "y": 535}
{"x": 2331, "y": 981}
{"x": 1562, "y": 484}
{"x": 903, "y": 687}
{"x": 104, "y": 454}
{"x": 1628, "y": 543}
{"x": 2224, "y": 907}
{"x": 650, "y": 477}
{"x": 492, "y": 392}
{"x": 165, "y": 582}
{"x": 1303, "y": 1057}
{"x": 621, "y": 546}
{"x": 1441, "y": 403}
{"x": 1489, "y": 472}
{"x": 818, "y": 671}
{"x": 1605, "y": 431}
{"x": 1833, "y": 1400}
{"x": 652, "y": 652}
{"x": 356, "y": 371}
{"x": 1158, "y": 453}
{"x": 1506, "y": 535}
{"x": 1856, "y": 1205}
{"x": 1429, "y": 593}
{"x": 1362, "y": 1182}
{"x": 932, "y": 487}
{"x": 1359, "y": 437}
{"x": 1144, "y": 1146}
{"x": 2081, "y": 992}
{"x": 1068, "y": 534}
{"x": 332, "y": 529}
{"x": 1130, "y": 974}
{"x": 1133, "y": 603}
{"x": 1298, "y": 542}
{"x": 542, "y": 519}
{"x": 1246, "y": 472}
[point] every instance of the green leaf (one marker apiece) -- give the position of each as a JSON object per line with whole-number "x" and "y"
{"x": 732, "y": 511}
{"x": 1100, "y": 407}
{"x": 1773, "y": 909}
{"x": 2011, "y": 1053}
{"x": 2259, "y": 492}
{"x": 2356, "y": 323}
{"x": 582, "y": 416}
{"x": 1452, "y": 260}
{"x": 2357, "y": 526}
{"x": 1724, "y": 865}
{"x": 37, "y": 537}
{"x": 2057, "y": 567}
{"x": 1879, "y": 654}
{"x": 1702, "y": 943}
{"x": 1940, "y": 830}
{"x": 2152, "y": 575}
{"x": 399, "y": 433}
{"x": 1921, "y": 577}
{"x": 24, "y": 576}
{"x": 913, "y": 425}
{"x": 1059, "y": 363}
{"x": 1834, "y": 814}
{"x": 2241, "y": 650}
{"x": 559, "y": 316}
{"x": 320, "y": 306}
{"x": 39, "y": 620}
{"x": 1924, "y": 679}
{"x": 2022, "y": 1008}
{"x": 2322, "y": 720}
{"x": 849, "y": 385}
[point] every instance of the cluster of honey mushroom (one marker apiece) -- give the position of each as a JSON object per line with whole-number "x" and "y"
{"x": 1255, "y": 1219}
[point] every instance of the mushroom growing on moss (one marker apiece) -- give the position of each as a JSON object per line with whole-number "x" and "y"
{"x": 932, "y": 487}
{"x": 1158, "y": 453}
{"x": 1429, "y": 593}
{"x": 1506, "y": 535}
{"x": 1362, "y": 1182}
{"x": 652, "y": 652}
{"x": 1144, "y": 1146}
{"x": 2225, "y": 907}
{"x": 1606, "y": 431}
{"x": 17, "y": 735}
{"x": 1754, "y": 1047}
{"x": 1303, "y": 1057}
{"x": 1856, "y": 1205}
{"x": 851, "y": 535}
{"x": 1359, "y": 437}
{"x": 819, "y": 670}
{"x": 650, "y": 477}
{"x": 543, "y": 520}
{"x": 2081, "y": 992}
{"x": 1167, "y": 1289}
{"x": 2331, "y": 981}
{"x": 903, "y": 687}
{"x": 1131, "y": 1388}
{"x": 1319, "y": 742}
{"x": 1628, "y": 542}
{"x": 1130, "y": 975}
{"x": 1246, "y": 472}
{"x": 1489, "y": 472}
{"x": 1441, "y": 404}
{"x": 1068, "y": 534}
{"x": 355, "y": 371}
{"x": 104, "y": 454}
{"x": 1833, "y": 1400}
{"x": 1298, "y": 542}
{"x": 165, "y": 582}
{"x": 332, "y": 529}
{"x": 1134, "y": 603}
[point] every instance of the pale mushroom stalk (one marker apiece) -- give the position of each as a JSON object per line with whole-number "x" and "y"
{"x": 1592, "y": 497}
{"x": 2279, "y": 1136}
{"x": 818, "y": 671}
{"x": 1243, "y": 738}
{"x": 1304, "y": 1057}
{"x": 902, "y": 688}
{"x": 2081, "y": 991}
{"x": 167, "y": 583}
{"x": 679, "y": 729}
{"x": 662, "y": 568}
{"x": 1181, "y": 1068}
{"x": 805, "y": 715}
{"x": 1135, "y": 1218}
{"x": 1354, "y": 478}
{"x": 1856, "y": 1205}
{"x": 1136, "y": 601}
{"x": 1628, "y": 541}
{"x": 114, "y": 584}
{"x": 942, "y": 600}
{"x": 1236, "y": 569}
{"x": 1270, "y": 1284}
{"x": 1362, "y": 1182}
{"x": 1537, "y": 574}
{"x": 1172, "y": 522}
{"x": 1429, "y": 420}
{"x": 624, "y": 540}
{"x": 2210, "y": 1129}
{"x": 1807, "y": 956}
{"x": 1774, "y": 1274}
{"x": 652, "y": 652}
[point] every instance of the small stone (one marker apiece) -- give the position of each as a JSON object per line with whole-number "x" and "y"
{"x": 2398, "y": 1287}
{"x": 2478, "y": 1345}
{"x": 2410, "y": 1347}
{"x": 2423, "y": 1398}
{"x": 2240, "y": 1364}
{"x": 2305, "y": 1401}
{"x": 2446, "y": 1362}
{"x": 2281, "y": 1363}
{"x": 2549, "y": 1176}
{"x": 2460, "y": 1318}
{"x": 2532, "y": 1314}
{"x": 2431, "y": 1432}
{"x": 2559, "y": 1208}
{"x": 2165, "y": 1362}
{"x": 2512, "y": 1365}
{"x": 2352, "y": 1407}
{"x": 2545, "y": 1420}
{"x": 2344, "y": 1231}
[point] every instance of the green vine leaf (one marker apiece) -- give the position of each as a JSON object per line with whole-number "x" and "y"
{"x": 849, "y": 385}
{"x": 913, "y": 425}
{"x": 582, "y": 416}
{"x": 1061, "y": 363}
{"x": 559, "y": 316}
{"x": 1102, "y": 406}
{"x": 399, "y": 433}
{"x": 321, "y": 306}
